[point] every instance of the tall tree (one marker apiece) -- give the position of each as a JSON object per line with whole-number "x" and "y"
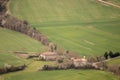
{"x": 106, "y": 55}
{"x": 111, "y": 54}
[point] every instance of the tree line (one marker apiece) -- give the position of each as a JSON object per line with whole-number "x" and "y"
{"x": 3, "y": 7}
{"x": 110, "y": 54}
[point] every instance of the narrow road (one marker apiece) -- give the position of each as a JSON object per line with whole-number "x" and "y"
{"x": 109, "y": 3}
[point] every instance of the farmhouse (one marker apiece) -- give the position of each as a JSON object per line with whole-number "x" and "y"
{"x": 48, "y": 56}
{"x": 79, "y": 62}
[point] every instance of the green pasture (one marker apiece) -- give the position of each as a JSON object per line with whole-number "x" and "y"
{"x": 85, "y": 27}
{"x": 11, "y": 41}
{"x": 11, "y": 59}
{"x": 61, "y": 75}
{"x": 58, "y": 11}
{"x": 115, "y": 61}
{"x": 15, "y": 41}
{"x": 86, "y": 39}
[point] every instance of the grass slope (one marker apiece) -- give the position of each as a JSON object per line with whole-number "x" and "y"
{"x": 84, "y": 40}
{"x": 82, "y": 26}
{"x": 114, "y": 61}
{"x": 10, "y": 58}
{"x": 47, "y": 11}
{"x": 11, "y": 41}
{"x": 15, "y": 41}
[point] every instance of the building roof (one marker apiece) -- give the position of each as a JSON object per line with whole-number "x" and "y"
{"x": 79, "y": 60}
{"x": 49, "y": 53}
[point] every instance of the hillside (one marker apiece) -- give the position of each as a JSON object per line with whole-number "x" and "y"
{"x": 114, "y": 61}
{"x": 84, "y": 30}
{"x": 11, "y": 41}
{"x": 10, "y": 58}
{"x": 85, "y": 27}
{"x": 15, "y": 41}
{"x": 50, "y": 12}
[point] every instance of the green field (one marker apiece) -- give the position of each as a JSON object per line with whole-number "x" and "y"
{"x": 15, "y": 41}
{"x": 11, "y": 59}
{"x": 62, "y": 75}
{"x": 11, "y": 41}
{"x": 58, "y": 11}
{"x": 85, "y": 27}
{"x": 87, "y": 40}
{"x": 115, "y": 61}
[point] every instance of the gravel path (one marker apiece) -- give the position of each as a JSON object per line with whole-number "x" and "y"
{"x": 109, "y": 3}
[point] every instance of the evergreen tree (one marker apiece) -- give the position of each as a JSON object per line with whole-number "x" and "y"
{"x": 111, "y": 54}
{"x": 106, "y": 55}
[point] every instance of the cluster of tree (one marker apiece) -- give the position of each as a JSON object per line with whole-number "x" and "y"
{"x": 52, "y": 47}
{"x": 49, "y": 67}
{"x": 67, "y": 66}
{"x": 3, "y": 6}
{"x": 11, "y": 68}
{"x": 111, "y": 54}
{"x": 9, "y": 22}
{"x": 93, "y": 59}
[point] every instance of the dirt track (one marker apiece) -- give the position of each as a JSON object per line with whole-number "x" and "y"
{"x": 109, "y": 3}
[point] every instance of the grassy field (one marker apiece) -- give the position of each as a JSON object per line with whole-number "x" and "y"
{"x": 15, "y": 41}
{"x": 61, "y": 75}
{"x": 82, "y": 26}
{"x": 115, "y": 61}
{"x": 46, "y": 11}
{"x": 11, "y": 41}
{"x": 11, "y": 59}
{"x": 72, "y": 24}
{"x": 87, "y": 40}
